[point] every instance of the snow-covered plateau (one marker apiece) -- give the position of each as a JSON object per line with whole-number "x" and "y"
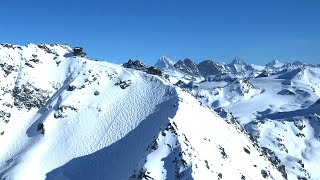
{"x": 66, "y": 117}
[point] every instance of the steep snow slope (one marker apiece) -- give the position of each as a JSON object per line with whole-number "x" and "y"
{"x": 85, "y": 110}
{"x": 193, "y": 146}
{"x": 66, "y": 117}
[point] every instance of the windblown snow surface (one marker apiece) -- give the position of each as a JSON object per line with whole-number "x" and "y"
{"x": 66, "y": 117}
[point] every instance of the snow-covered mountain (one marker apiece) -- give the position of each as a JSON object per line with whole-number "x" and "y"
{"x": 280, "y": 111}
{"x": 275, "y": 64}
{"x": 210, "y": 68}
{"x": 188, "y": 67}
{"x": 68, "y": 117}
{"x": 238, "y": 66}
{"x": 164, "y": 63}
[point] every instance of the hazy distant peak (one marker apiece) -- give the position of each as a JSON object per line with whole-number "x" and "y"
{"x": 275, "y": 63}
{"x": 164, "y": 62}
{"x": 237, "y": 60}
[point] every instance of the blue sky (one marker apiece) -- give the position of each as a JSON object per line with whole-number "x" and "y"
{"x": 116, "y": 30}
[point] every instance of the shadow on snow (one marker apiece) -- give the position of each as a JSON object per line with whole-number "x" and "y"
{"x": 118, "y": 160}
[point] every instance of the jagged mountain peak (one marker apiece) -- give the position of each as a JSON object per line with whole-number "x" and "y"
{"x": 187, "y": 66}
{"x": 275, "y": 63}
{"x": 208, "y": 61}
{"x": 211, "y": 68}
{"x": 237, "y": 60}
{"x": 186, "y": 62}
{"x": 298, "y": 63}
{"x": 164, "y": 62}
{"x": 238, "y": 66}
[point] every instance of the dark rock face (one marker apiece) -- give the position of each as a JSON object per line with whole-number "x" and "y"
{"x": 180, "y": 84}
{"x": 5, "y": 116}
{"x": 228, "y": 77}
{"x": 264, "y": 173}
{"x": 286, "y": 92}
{"x": 293, "y": 65}
{"x": 264, "y": 74}
{"x": 242, "y": 86}
{"x": 71, "y": 88}
{"x": 124, "y": 84}
{"x": 96, "y": 93}
{"x": 7, "y": 68}
{"x": 154, "y": 71}
{"x": 29, "y": 96}
{"x": 41, "y": 128}
{"x": 276, "y": 162}
{"x": 135, "y": 65}
{"x": 229, "y": 118}
{"x": 210, "y": 68}
{"x": 61, "y": 112}
{"x": 238, "y": 66}
{"x": 46, "y": 49}
{"x": 188, "y": 67}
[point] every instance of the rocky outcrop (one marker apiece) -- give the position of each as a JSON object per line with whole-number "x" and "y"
{"x": 135, "y": 65}
{"x": 210, "y": 68}
{"x": 188, "y": 67}
{"x": 242, "y": 86}
{"x": 29, "y": 96}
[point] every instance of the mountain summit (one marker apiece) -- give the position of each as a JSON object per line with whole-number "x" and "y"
{"x": 187, "y": 66}
{"x": 238, "y": 66}
{"x": 164, "y": 62}
{"x": 237, "y": 61}
{"x": 275, "y": 63}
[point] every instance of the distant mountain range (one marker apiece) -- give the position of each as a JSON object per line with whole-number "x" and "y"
{"x": 237, "y": 67}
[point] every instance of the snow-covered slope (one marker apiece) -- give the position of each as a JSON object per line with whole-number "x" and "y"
{"x": 278, "y": 104}
{"x": 67, "y": 117}
{"x": 192, "y": 146}
{"x": 280, "y": 111}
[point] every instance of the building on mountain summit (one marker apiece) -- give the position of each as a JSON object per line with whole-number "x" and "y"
{"x": 78, "y": 51}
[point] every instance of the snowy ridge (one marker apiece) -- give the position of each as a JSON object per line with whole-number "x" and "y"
{"x": 203, "y": 155}
{"x": 68, "y": 117}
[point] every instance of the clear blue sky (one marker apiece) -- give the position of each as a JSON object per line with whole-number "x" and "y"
{"x": 115, "y": 30}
